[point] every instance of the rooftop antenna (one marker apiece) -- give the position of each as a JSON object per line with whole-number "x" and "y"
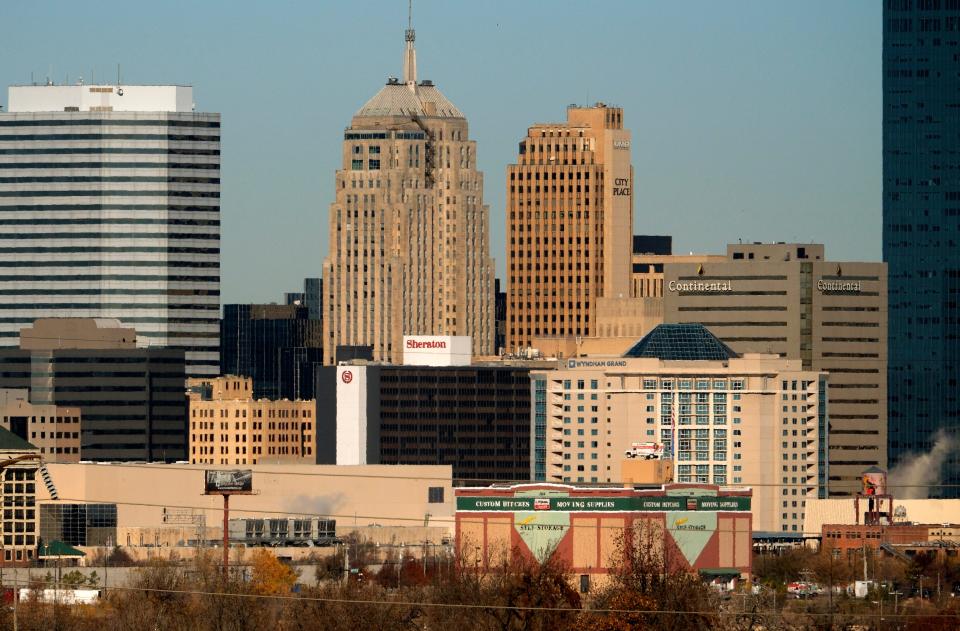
{"x": 118, "y": 74}
{"x": 410, "y": 54}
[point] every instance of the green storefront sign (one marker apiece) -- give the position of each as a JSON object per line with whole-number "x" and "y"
{"x": 597, "y": 504}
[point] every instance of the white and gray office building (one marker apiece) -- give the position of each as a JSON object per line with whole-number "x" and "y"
{"x": 110, "y": 207}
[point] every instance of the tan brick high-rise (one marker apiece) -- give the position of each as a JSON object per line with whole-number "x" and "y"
{"x": 409, "y": 233}
{"x": 569, "y": 224}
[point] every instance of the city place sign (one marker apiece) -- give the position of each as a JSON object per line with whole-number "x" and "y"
{"x": 717, "y": 287}
{"x": 621, "y": 186}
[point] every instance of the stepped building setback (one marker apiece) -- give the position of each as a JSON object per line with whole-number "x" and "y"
{"x": 569, "y": 225}
{"x": 409, "y": 232}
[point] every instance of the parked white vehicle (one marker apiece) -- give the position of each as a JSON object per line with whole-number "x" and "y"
{"x": 61, "y": 596}
{"x": 647, "y": 451}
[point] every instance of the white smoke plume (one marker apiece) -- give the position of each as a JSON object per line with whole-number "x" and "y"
{"x": 918, "y": 473}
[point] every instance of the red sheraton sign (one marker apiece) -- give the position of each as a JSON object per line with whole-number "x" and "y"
{"x": 429, "y": 344}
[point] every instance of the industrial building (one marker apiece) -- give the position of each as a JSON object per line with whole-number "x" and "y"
{"x": 156, "y": 510}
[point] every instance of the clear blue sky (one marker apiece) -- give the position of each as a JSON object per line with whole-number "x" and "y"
{"x": 755, "y": 119}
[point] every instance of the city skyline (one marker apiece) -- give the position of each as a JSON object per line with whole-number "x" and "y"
{"x": 787, "y": 147}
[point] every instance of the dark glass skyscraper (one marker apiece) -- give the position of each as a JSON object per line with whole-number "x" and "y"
{"x": 276, "y": 345}
{"x": 921, "y": 221}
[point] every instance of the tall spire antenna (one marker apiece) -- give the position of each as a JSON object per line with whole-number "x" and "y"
{"x": 410, "y": 54}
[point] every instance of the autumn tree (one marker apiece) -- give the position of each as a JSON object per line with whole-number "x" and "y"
{"x": 647, "y": 576}
{"x": 269, "y": 575}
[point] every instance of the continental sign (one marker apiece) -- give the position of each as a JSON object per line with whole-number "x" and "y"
{"x": 595, "y": 504}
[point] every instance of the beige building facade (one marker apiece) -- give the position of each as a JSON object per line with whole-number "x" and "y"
{"x": 53, "y": 429}
{"x": 647, "y": 270}
{"x": 21, "y": 488}
{"x": 229, "y": 427}
{"x": 366, "y": 497}
{"x": 409, "y": 232}
{"x": 757, "y": 421}
{"x": 787, "y": 299}
{"x": 569, "y": 224}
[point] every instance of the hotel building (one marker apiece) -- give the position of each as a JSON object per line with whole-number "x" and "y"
{"x": 229, "y": 427}
{"x": 569, "y": 224}
{"x": 409, "y": 232}
{"x": 110, "y": 208}
{"x": 727, "y": 420}
{"x": 787, "y": 299}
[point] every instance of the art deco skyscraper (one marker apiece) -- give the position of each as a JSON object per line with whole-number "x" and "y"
{"x": 110, "y": 208}
{"x": 569, "y": 224}
{"x": 409, "y": 233}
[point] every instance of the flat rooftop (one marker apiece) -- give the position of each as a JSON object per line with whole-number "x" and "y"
{"x": 99, "y": 98}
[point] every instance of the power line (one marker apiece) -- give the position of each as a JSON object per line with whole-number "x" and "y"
{"x": 494, "y": 483}
{"x": 443, "y": 520}
{"x": 498, "y": 606}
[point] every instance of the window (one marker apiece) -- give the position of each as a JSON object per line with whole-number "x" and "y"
{"x": 435, "y": 495}
{"x": 374, "y": 165}
{"x": 356, "y": 165}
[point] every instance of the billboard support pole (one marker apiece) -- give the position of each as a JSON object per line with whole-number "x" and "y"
{"x": 226, "y": 535}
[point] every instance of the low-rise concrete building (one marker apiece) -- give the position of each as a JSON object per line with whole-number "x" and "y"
{"x": 153, "y": 499}
{"x": 53, "y": 429}
{"x": 19, "y": 466}
{"x": 685, "y": 527}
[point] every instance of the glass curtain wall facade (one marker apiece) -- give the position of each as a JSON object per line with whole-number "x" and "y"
{"x": 921, "y": 221}
{"x": 277, "y": 346}
{"x": 112, "y": 214}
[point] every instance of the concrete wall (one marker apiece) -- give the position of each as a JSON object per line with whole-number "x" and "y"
{"x": 354, "y": 496}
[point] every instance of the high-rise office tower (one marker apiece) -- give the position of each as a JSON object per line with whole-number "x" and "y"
{"x": 409, "y": 233}
{"x": 110, "y": 205}
{"x": 921, "y": 244}
{"x": 569, "y": 224}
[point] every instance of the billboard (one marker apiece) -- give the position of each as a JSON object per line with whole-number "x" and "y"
{"x": 437, "y": 350}
{"x": 233, "y": 481}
